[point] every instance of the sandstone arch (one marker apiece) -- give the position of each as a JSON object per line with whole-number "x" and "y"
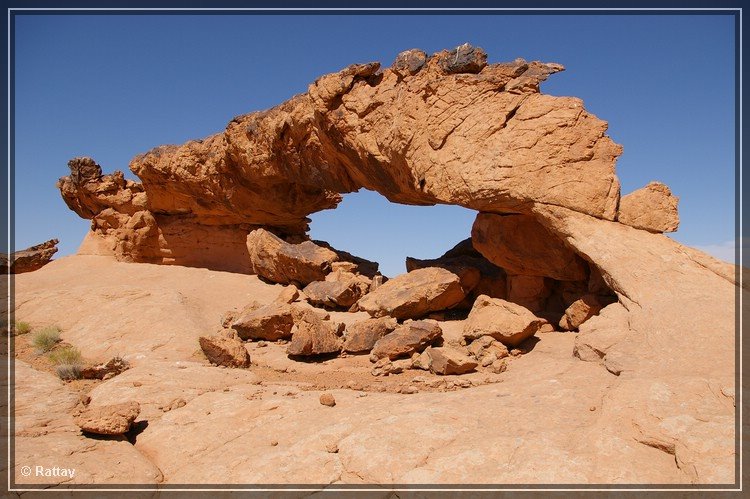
{"x": 452, "y": 129}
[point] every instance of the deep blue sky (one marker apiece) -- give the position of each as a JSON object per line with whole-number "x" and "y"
{"x": 114, "y": 86}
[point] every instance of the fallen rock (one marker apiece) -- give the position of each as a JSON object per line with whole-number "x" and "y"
{"x": 272, "y": 322}
{"x": 487, "y": 345}
{"x": 339, "y": 290}
{"x": 361, "y": 336}
{"x": 409, "y": 62}
{"x": 580, "y": 311}
{"x": 108, "y": 420}
{"x": 414, "y": 294}
{"x": 313, "y": 336}
{"x": 112, "y": 367}
{"x": 652, "y": 208}
{"x": 288, "y": 295}
{"x": 30, "y": 259}
{"x": 225, "y": 349}
{"x": 462, "y": 59}
{"x": 507, "y": 322}
{"x": 408, "y": 338}
{"x": 445, "y": 361}
{"x": 522, "y": 246}
{"x": 279, "y": 261}
{"x": 421, "y": 361}
{"x": 386, "y": 367}
{"x": 327, "y": 399}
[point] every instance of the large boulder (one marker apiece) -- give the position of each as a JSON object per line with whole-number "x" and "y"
{"x": 507, "y": 322}
{"x": 30, "y": 259}
{"x": 314, "y": 336}
{"x": 652, "y": 208}
{"x": 414, "y": 294}
{"x": 446, "y": 360}
{"x": 522, "y": 246}
{"x": 279, "y": 261}
{"x": 361, "y": 336}
{"x": 339, "y": 290}
{"x": 225, "y": 349}
{"x": 271, "y": 322}
{"x": 411, "y": 337}
{"x": 108, "y": 420}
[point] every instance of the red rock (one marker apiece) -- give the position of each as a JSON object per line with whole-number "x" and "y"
{"x": 507, "y": 322}
{"x": 313, "y": 336}
{"x": 522, "y": 246}
{"x": 272, "y": 322}
{"x": 108, "y": 420}
{"x": 580, "y": 311}
{"x": 408, "y": 338}
{"x": 448, "y": 361}
{"x": 30, "y": 259}
{"x": 282, "y": 262}
{"x": 415, "y": 294}
{"x": 225, "y": 349}
{"x": 362, "y": 336}
{"x": 652, "y": 208}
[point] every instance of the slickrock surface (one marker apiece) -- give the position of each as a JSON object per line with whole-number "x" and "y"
{"x": 664, "y": 419}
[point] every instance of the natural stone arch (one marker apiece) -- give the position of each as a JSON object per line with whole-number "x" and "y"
{"x": 442, "y": 129}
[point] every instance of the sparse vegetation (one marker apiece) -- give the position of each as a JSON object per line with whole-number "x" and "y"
{"x": 21, "y": 328}
{"x": 68, "y": 372}
{"x": 68, "y": 362}
{"x": 45, "y": 339}
{"x": 66, "y": 355}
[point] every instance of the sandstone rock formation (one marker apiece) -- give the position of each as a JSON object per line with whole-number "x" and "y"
{"x": 411, "y": 337}
{"x": 413, "y": 295}
{"x": 649, "y": 393}
{"x": 339, "y": 290}
{"x": 225, "y": 349}
{"x": 652, "y": 208}
{"x": 580, "y": 311}
{"x": 417, "y": 132}
{"x": 507, "y": 322}
{"x": 313, "y": 336}
{"x": 445, "y": 361}
{"x": 30, "y": 259}
{"x": 361, "y": 336}
{"x": 110, "y": 419}
{"x": 270, "y": 322}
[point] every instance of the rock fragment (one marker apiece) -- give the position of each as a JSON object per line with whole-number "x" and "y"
{"x": 108, "y": 420}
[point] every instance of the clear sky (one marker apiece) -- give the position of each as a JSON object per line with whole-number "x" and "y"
{"x": 114, "y": 86}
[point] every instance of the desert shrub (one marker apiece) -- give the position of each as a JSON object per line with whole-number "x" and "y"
{"x": 22, "y": 328}
{"x": 45, "y": 339}
{"x": 68, "y": 362}
{"x": 66, "y": 355}
{"x": 68, "y": 372}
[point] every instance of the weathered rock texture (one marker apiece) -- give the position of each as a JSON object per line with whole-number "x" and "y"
{"x": 30, "y": 259}
{"x": 652, "y": 208}
{"x": 225, "y": 349}
{"x": 108, "y": 420}
{"x": 413, "y": 295}
{"x": 448, "y": 128}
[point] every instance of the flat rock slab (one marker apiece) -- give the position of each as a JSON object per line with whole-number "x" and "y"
{"x": 109, "y": 419}
{"x": 414, "y": 294}
{"x": 407, "y": 339}
{"x": 507, "y": 322}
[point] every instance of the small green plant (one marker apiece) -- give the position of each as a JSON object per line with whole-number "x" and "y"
{"x": 68, "y": 362}
{"x": 66, "y": 355}
{"x": 45, "y": 339}
{"x": 22, "y": 328}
